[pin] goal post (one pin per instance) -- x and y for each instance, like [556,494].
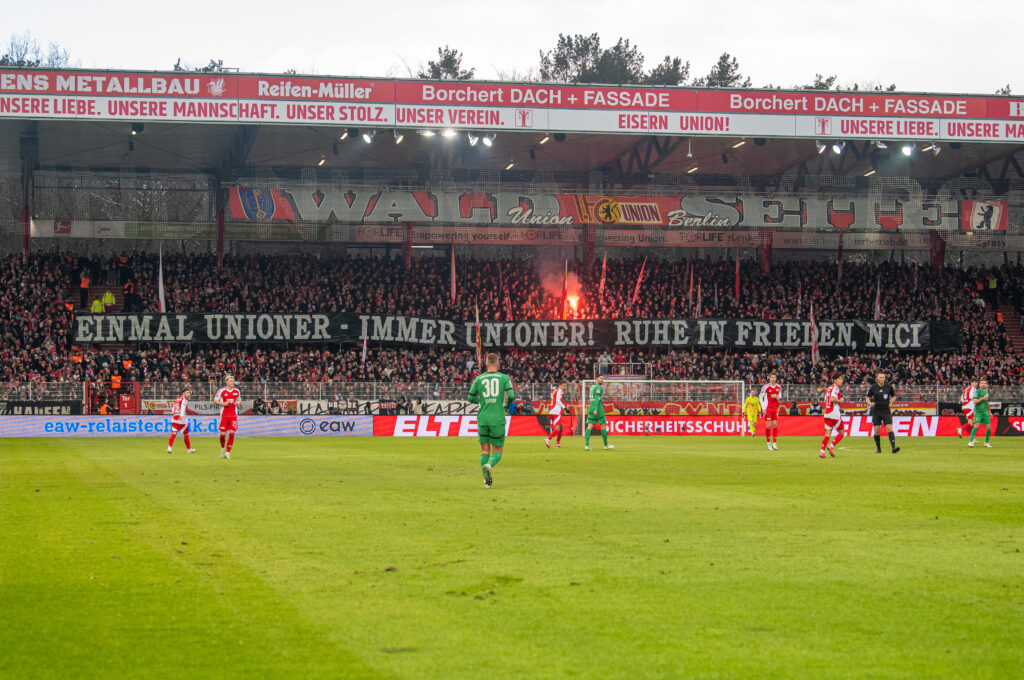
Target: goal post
[640,396]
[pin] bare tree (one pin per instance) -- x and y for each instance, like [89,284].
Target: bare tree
[214,66]
[870,86]
[25,51]
[530,75]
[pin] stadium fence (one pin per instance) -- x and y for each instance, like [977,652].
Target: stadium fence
[428,392]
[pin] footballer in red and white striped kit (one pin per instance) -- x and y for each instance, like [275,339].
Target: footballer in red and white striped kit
[770,395]
[556,408]
[833,417]
[967,406]
[178,422]
[227,397]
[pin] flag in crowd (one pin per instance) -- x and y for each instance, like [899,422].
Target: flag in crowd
[479,342]
[737,292]
[839,263]
[565,290]
[162,304]
[878,301]
[815,356]
[799,299]
[366,332]
[604,271]
[689,294]
[716,296]
[452,292]
[698,298]
[639,279]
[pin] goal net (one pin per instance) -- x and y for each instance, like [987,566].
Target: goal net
[635,395]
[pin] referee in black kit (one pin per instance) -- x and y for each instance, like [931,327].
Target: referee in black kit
[880,397]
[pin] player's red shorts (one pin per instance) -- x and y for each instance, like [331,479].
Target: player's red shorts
[228,423]
[831,423]
[555,420]
[178,427]
[969,414]
[771,413]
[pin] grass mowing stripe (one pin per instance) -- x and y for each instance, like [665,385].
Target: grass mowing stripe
[667,557]
[136,591]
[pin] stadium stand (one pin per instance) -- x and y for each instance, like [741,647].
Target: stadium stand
[34,296]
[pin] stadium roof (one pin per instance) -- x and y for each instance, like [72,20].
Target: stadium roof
[105,141]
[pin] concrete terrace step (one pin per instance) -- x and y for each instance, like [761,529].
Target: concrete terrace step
[1011,322]
[97,291]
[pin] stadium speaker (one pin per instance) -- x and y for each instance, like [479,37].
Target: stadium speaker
[533,154]
[559,136]
[760,141]
[138,128]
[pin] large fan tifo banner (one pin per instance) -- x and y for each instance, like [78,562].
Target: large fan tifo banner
[445,217]
[390,103]
[351,328]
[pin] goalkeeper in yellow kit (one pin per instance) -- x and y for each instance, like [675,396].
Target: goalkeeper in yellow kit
[752,409]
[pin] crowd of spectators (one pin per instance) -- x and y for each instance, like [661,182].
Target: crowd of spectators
[194,283]
[38,299]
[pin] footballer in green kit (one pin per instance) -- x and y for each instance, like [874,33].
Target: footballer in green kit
[595,414]
[981,413]
[492,390]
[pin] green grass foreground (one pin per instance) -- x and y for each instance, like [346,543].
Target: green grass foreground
[387,558]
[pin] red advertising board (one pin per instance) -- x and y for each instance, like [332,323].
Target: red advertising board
[794,426]
[229,97]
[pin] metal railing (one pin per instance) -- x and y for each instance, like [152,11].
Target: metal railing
[385,391]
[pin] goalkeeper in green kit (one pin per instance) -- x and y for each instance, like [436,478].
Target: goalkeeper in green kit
[492,390]
[595,414]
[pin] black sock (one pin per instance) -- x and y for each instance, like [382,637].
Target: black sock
[892,440]
[878,443]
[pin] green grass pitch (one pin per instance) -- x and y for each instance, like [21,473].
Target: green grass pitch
[387,558]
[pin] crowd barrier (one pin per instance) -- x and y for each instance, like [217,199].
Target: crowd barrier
[465,426]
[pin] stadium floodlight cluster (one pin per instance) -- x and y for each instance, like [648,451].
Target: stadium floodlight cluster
[907,149]
[473,137]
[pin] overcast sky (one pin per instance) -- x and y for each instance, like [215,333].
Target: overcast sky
[937,46]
